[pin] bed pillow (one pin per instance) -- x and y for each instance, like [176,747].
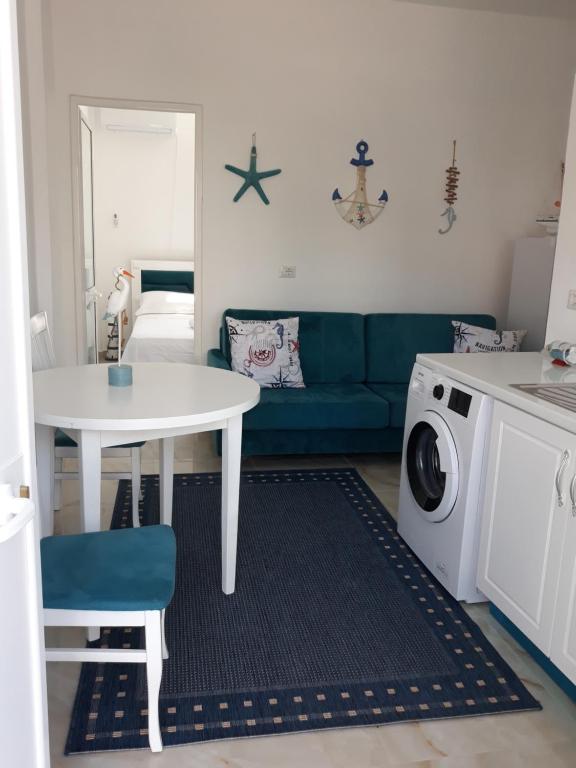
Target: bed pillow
[166,303]
[472,338]
[266,351]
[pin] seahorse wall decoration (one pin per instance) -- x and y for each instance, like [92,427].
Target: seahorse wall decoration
[452,178]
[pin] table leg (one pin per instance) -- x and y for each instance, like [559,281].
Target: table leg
[45,471]
[231,457]
[166,479]
[90,479]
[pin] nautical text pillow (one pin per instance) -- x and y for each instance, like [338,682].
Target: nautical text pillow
[266,351]
[472,338]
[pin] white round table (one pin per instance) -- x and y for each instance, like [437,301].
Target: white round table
[165,400]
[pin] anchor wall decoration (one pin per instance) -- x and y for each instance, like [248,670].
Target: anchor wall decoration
[355,209]
[452,175]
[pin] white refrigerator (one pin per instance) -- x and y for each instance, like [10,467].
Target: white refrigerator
[530,289]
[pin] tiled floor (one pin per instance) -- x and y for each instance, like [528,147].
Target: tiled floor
[544,739]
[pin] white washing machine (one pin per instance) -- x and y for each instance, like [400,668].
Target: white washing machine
[442,477]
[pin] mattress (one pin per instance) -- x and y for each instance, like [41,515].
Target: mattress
[161,338]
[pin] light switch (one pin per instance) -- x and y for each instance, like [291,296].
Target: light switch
[287,270]
[571,299]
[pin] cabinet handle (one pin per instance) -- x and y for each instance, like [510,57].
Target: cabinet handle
[573,495]
[559,476]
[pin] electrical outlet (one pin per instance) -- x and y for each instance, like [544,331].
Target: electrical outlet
[287,270]
[571,299]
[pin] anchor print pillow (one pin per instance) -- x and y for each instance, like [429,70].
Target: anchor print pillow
[472,338]
[266,351]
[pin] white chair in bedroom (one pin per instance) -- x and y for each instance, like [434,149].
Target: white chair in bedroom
[64,447]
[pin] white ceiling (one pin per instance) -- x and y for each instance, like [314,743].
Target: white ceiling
[564,9]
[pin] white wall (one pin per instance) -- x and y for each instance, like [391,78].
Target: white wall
[147,179]
[561,320]
[35,82]
[312,79]
[182,244]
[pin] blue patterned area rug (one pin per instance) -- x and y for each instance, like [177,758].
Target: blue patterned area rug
[334,623]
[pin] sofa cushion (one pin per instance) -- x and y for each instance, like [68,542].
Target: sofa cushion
[319,406]
[332,345]
[394,340]
[266,351]
[396,395]
[471,338]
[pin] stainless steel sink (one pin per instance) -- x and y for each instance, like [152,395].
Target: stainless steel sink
[563,395]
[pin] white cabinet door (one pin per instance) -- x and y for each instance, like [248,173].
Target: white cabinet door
[530,464]
[23,716]
[564,633]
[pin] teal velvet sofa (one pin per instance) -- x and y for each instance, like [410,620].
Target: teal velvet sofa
[356,370]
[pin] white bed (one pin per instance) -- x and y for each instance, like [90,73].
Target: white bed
[163,336]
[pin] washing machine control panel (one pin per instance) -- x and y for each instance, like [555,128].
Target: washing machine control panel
[426,384]
[438,392]
[459,402]
[452,398]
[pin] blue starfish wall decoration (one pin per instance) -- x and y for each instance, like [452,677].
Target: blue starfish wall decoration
[252,177]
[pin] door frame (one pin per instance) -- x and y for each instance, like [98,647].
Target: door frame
[82,232]
[77,207]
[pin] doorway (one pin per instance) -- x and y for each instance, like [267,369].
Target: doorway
[137,207]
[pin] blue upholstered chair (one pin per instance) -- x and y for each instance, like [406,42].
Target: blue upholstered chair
[119,578]
[64,446]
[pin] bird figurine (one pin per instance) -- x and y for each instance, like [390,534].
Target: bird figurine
[118,299]
[119,375]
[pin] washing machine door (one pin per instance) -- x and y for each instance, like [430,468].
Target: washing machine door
[432,467]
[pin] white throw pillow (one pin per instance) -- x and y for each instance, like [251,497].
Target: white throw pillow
[166,303]
[266,351]
[472,338]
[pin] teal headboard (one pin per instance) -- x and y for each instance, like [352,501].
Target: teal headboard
[167,280]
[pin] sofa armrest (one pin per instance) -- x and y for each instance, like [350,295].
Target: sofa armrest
[215,359]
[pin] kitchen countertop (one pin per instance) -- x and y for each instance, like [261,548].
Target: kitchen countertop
[494,372]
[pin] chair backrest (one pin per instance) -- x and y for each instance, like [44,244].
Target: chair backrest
[42,347]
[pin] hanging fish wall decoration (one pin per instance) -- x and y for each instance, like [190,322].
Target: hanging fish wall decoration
[452,178]
[355,209]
